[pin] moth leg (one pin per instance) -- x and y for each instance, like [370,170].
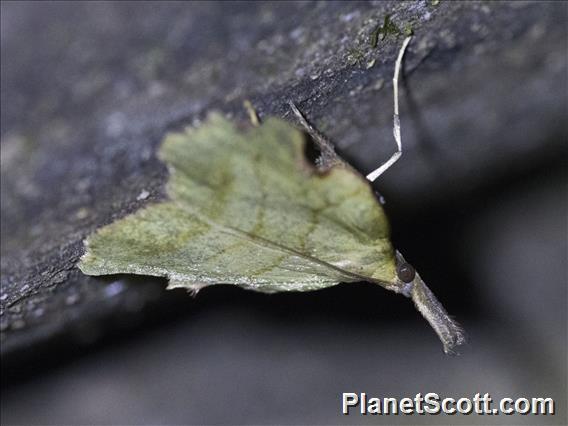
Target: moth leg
[396,124]
[253,116]
[328,156]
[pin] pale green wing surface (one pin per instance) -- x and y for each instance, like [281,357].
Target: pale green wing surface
[247,209]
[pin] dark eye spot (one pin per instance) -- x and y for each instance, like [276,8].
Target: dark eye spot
[405,272]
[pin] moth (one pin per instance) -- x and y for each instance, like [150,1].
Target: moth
[247,208]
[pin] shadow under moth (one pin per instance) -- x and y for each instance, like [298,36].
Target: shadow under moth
[247,208]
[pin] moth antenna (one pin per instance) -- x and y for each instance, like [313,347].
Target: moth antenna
[253,116]
[328,154]
[396,124]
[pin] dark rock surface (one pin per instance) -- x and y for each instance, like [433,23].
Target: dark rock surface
[89,89]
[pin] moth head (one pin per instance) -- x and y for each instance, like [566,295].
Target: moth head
[405,274]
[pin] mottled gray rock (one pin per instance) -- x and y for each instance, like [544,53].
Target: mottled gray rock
[89,89]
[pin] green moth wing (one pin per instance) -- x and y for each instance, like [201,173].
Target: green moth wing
[246,208]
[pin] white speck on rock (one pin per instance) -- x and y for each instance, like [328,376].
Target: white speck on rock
[379,84]
[349,16]
[143,195]
[82,213]
[297,33]
[115,124]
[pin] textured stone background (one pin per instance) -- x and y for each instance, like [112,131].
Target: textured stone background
[478,204]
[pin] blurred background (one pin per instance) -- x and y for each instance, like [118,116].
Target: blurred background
[478,204]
